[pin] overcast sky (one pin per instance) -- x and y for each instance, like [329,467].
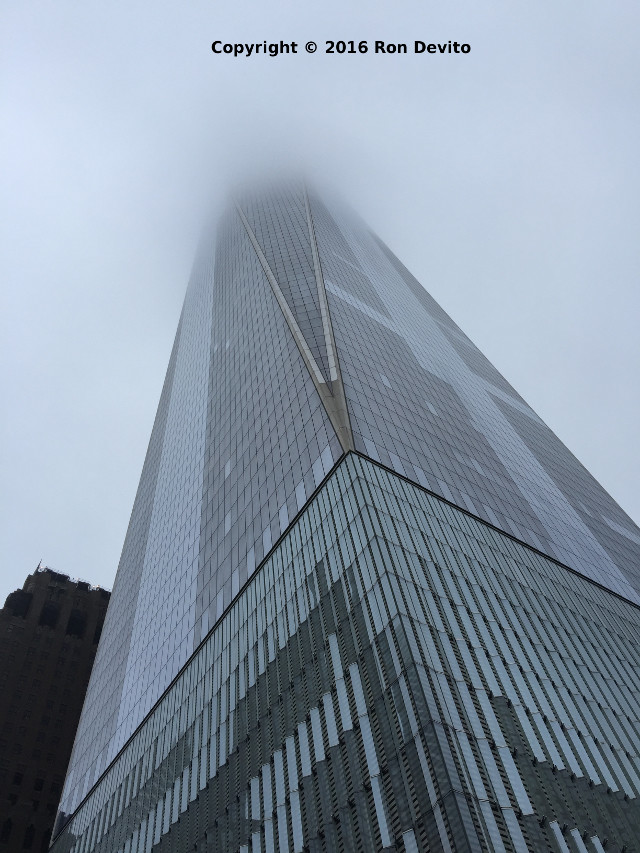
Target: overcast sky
[506,179]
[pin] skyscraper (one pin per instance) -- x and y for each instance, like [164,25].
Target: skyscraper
[367,600]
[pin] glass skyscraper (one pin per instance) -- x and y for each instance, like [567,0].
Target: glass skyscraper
[367,600]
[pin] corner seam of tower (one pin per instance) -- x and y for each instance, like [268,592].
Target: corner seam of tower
[334,401]
[338,401]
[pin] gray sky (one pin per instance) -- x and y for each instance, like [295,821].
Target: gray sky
[507,180]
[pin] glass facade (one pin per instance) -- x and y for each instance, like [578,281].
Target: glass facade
[396,675]
[363,594]
[424,401]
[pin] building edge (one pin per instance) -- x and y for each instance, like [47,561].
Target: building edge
[530,748]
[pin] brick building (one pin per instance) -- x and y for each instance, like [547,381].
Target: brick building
[49,632]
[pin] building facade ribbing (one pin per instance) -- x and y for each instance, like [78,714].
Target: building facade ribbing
[363,594]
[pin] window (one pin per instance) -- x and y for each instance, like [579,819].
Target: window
[5,832]
[49,614]
[30,831]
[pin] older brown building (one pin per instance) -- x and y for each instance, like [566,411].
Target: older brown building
[49,633]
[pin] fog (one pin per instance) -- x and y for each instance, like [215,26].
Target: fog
[506,179]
